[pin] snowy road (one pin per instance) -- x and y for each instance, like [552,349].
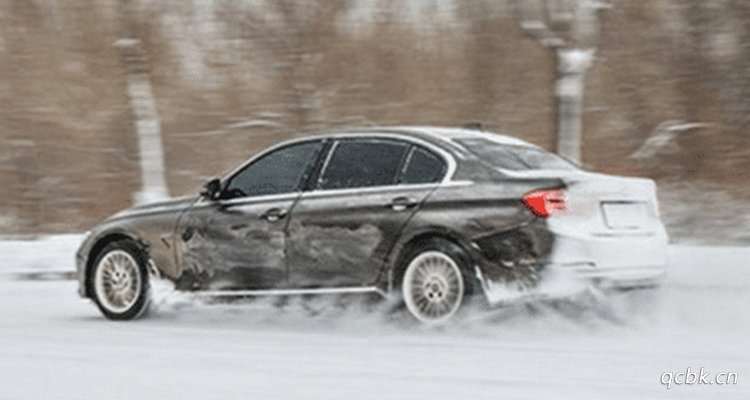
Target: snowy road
[54,345]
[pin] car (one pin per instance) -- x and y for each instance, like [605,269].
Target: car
[429,216]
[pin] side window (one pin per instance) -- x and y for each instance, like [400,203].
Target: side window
[278,172]
[359,163]
[423,167]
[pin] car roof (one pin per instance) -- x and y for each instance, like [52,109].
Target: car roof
[444,133]
[435,134]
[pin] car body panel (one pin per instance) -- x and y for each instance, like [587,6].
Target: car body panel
[152,226]
[471,213]
[333,238]
[342,237]
[232,244]
[633,254]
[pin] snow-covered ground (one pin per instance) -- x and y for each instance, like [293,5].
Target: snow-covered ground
[54,345]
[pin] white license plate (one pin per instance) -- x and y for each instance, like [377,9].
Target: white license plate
[624,215]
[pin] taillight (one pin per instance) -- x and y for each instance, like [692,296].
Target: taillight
[546,202]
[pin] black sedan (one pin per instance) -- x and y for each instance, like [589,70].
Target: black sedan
[430,215]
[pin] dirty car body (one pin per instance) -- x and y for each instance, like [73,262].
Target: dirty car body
[340,211]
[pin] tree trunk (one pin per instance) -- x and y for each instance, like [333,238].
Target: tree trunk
[571,29]
[145,114]
[572,65]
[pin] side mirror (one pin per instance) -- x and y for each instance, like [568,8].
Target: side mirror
[211,189]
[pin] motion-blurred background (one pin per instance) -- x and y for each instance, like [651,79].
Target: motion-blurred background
[86,85]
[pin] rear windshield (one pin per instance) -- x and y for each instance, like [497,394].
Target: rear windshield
[515,158]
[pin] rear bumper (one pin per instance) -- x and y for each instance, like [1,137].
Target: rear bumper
[575,262]
[620,260]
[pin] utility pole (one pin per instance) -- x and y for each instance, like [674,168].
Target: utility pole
[570,28]
[145,113]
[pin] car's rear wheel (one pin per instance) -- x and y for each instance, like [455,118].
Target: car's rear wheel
[120,281]
[434,283]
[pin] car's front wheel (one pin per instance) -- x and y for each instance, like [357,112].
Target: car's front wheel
[120,281]
[434,285]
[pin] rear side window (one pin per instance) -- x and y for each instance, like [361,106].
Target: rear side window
[423,166]
[363,163]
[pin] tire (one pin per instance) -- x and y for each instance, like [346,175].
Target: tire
[120,281]
[436,282]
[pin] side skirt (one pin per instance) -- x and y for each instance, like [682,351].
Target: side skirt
[289,292]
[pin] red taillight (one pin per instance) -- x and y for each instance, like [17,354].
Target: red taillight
[546,202]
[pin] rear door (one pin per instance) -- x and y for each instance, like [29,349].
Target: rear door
[341,230]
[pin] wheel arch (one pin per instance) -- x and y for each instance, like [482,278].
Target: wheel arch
[97,248]
[481,251]
[397,264]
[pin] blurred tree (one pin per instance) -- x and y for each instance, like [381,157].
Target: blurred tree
[294,37]
[571,29]
[143,104]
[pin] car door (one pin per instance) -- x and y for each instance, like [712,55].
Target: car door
[237,241]
[341,230]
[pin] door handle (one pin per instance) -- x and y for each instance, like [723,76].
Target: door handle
[274,214]
[402,203]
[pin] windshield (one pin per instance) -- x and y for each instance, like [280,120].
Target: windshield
[515,158]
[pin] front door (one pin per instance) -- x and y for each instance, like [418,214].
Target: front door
[238,240]
[341,231]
